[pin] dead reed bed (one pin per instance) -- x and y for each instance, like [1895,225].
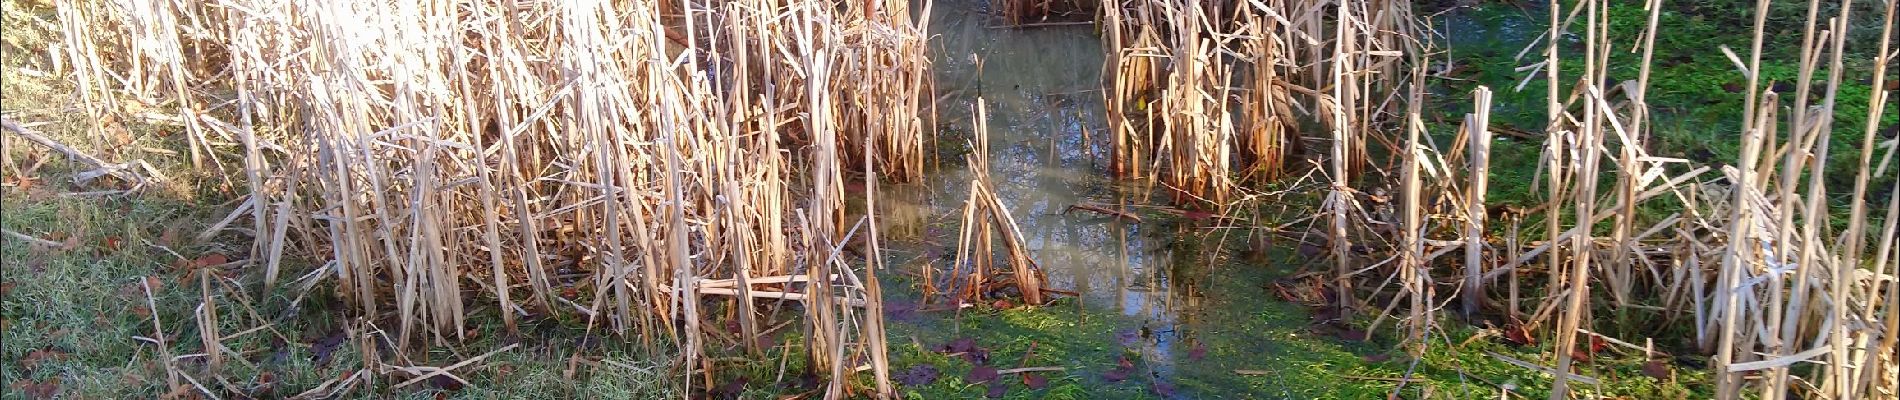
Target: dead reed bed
[1205,101]
[650,166]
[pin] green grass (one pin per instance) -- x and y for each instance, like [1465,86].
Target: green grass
[1695,93]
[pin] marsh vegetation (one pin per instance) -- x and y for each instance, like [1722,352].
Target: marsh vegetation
[949,199]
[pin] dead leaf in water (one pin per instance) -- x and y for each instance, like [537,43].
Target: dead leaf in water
[1352,335]
[1657,369]
[982,373]
[920,375]
[1163,389]
[958,345]
[1035,381]
[1128,337]
[997,390]
[37,389]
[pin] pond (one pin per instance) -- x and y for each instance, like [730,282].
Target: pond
[1163,307]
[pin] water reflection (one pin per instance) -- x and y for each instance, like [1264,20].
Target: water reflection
[1047,124]
[1046,121]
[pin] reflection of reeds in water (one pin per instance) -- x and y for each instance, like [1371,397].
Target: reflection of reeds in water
[436,150]
[1203,97]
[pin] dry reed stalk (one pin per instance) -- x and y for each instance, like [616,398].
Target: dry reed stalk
[1269,133]
[1591,139]
[158,335]
[1857,232]
[1629,168]
[1413,270]
[207,317]
[1478,142]
[1872,376]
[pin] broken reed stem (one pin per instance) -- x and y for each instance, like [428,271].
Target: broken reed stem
[1478,143]
[1340,200]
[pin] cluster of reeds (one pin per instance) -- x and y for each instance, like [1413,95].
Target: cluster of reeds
[1207,95]
[616,160]
[1750,258]
[1202,92]
[984,221]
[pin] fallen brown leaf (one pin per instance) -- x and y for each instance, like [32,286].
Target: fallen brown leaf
[210,260]
[169,238]
[37,389]
[69,243]
[1657,369]
[1519,335]
[33,359]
